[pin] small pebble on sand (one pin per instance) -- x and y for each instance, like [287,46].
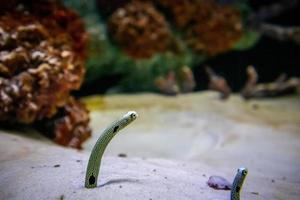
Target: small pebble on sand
[218,183]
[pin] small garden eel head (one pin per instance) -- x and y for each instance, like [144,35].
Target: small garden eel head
[238,183]
[131,115]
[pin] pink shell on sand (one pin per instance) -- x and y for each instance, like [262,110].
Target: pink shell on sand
[218,183]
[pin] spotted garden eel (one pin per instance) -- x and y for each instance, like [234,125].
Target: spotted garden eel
[93,166]
[238,183]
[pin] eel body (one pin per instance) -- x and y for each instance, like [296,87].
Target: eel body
[94,163]
[238,183]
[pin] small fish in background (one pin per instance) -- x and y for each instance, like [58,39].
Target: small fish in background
[218,83]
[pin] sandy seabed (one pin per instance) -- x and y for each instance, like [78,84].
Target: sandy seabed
[172,149]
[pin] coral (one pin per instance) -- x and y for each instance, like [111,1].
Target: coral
[182,81]
[140,29]
[107,7]
[251,82]
[42,50]
[182,11]
[281,86]
[208,27]
[218,83]
[186,79]
[69,127]
[167,85]
[215,31]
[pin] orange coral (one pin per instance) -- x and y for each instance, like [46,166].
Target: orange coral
[69,127]
[107,7]
[42,50]
[209,27]
[182,11]
[139,29]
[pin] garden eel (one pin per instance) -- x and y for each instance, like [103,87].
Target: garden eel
[100,146]
[238,183]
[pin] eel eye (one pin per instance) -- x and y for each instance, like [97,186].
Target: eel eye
[244,172]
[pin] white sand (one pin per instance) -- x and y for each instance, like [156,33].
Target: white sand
[171,146]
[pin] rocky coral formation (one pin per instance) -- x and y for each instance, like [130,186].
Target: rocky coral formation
[42,49]
[140,29]
[218,83]
[209,27]
[107,7]
[186,79]
[281,86]
[181,81]
[167,85]
[182,11]
[69,127]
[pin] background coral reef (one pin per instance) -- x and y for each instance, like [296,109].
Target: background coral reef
[42,55]
[136,42]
